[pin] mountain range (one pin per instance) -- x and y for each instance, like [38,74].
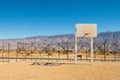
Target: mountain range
[110,37]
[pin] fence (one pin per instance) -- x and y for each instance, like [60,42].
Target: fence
[59,52]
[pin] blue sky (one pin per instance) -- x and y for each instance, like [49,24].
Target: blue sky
[24,18]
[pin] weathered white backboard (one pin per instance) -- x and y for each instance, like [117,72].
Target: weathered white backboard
[86,30]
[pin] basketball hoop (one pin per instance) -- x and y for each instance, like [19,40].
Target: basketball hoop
[85,30]
[86,35]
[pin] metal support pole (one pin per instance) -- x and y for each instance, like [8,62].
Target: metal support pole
[3,53]
[67,51]
[59,50]
[104,51]
[86,51]
[31,50]
[48,51]
[76,49]
[25,44]
[17,52]
[92,51]
[8,52]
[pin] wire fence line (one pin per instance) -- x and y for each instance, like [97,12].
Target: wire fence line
[60,51]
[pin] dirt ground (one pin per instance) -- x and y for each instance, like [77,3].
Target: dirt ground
[82,71]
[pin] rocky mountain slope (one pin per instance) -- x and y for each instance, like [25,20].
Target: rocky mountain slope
[110,37]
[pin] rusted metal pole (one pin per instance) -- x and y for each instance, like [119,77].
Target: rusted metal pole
[104,50]
[31,50]
[114,50]
[48,51]
[59,50]
[17,52]
[3,53]
[86,51]
[8,52]
[67,51]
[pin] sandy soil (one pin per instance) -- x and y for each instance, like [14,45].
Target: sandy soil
[69,71]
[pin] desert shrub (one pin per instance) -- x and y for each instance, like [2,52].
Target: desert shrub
[50,53]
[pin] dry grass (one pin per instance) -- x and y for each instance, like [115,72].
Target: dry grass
[82,71]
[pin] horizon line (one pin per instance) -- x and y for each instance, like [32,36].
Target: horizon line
[49,35]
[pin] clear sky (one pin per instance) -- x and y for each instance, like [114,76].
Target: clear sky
[24,18]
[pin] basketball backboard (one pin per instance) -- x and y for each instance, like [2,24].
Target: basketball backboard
[86,30]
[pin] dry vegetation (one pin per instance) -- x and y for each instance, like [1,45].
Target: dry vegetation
[56,54]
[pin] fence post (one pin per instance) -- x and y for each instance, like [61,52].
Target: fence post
[3,53]
[67,51]
[8,52]
[104,51]
[48,46]
[17,52]
[86,51]
[31,50]
[114,50]
[59,50]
